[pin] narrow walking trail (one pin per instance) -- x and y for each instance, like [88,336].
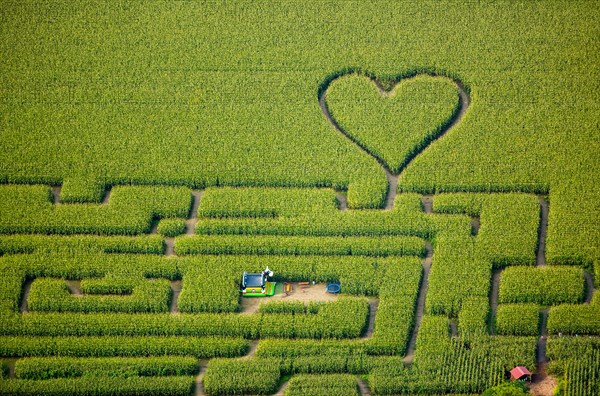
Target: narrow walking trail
[169,246]
[475,225]
[420,308]
[494,298]
[11,367]
[26,289]
[540,352]
[427,203]
[56,194]
[169,243]
[392,190]
[373,305]
[74,287]
[453,327]
[176,290]
[363,387]
[542,231]
[541,344]
[342,201]
[106,197]
[589,286]
[282,388]
[198,385]
[193,215]
[251,350]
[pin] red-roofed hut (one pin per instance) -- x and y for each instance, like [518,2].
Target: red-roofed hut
[520,373]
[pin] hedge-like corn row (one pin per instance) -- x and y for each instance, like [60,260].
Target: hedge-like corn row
[473,316]
[281,348]
[52,295]
[4,369]
[229,202]
[395,315]
[205,290]
[130,211]
[81,190]
[455,257]
[171,227]
[17,244]
[575,319]
[517,319]
[241,377]
[320,219]
[509,224]
[100,386]
[200,347]
[289,307]
[121,324]
[345,318]
[43,368]
[298,245]
[542,285]
[324,385]
[573,231]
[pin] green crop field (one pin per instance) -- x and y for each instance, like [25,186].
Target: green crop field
[439,160]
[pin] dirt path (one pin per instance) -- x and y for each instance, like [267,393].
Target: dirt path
[589,284]
[56,194]
[373,305]
[363,387]
[540,380]
[251,350]
[464,101]
[154,226]
[282,388]
[26,289]
[342,200]
[542,384]
[176,289]
[392,189]
[542,231]
[427,202]
[453,328]
[410,351]
[475,224]
[316,292]
[11,367]
[169,246]
[74,287]
[494,298]
[106,197]
[193,215]
[198,385]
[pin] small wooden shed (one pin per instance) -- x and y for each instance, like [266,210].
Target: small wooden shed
[520,373]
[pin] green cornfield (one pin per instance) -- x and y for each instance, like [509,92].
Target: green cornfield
[435,161]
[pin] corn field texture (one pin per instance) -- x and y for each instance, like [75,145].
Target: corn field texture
[436,159]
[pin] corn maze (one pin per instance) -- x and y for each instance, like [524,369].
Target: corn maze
[153,152]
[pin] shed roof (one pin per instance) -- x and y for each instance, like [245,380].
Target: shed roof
[519,372]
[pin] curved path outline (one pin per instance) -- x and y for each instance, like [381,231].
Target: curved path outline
[392,178]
